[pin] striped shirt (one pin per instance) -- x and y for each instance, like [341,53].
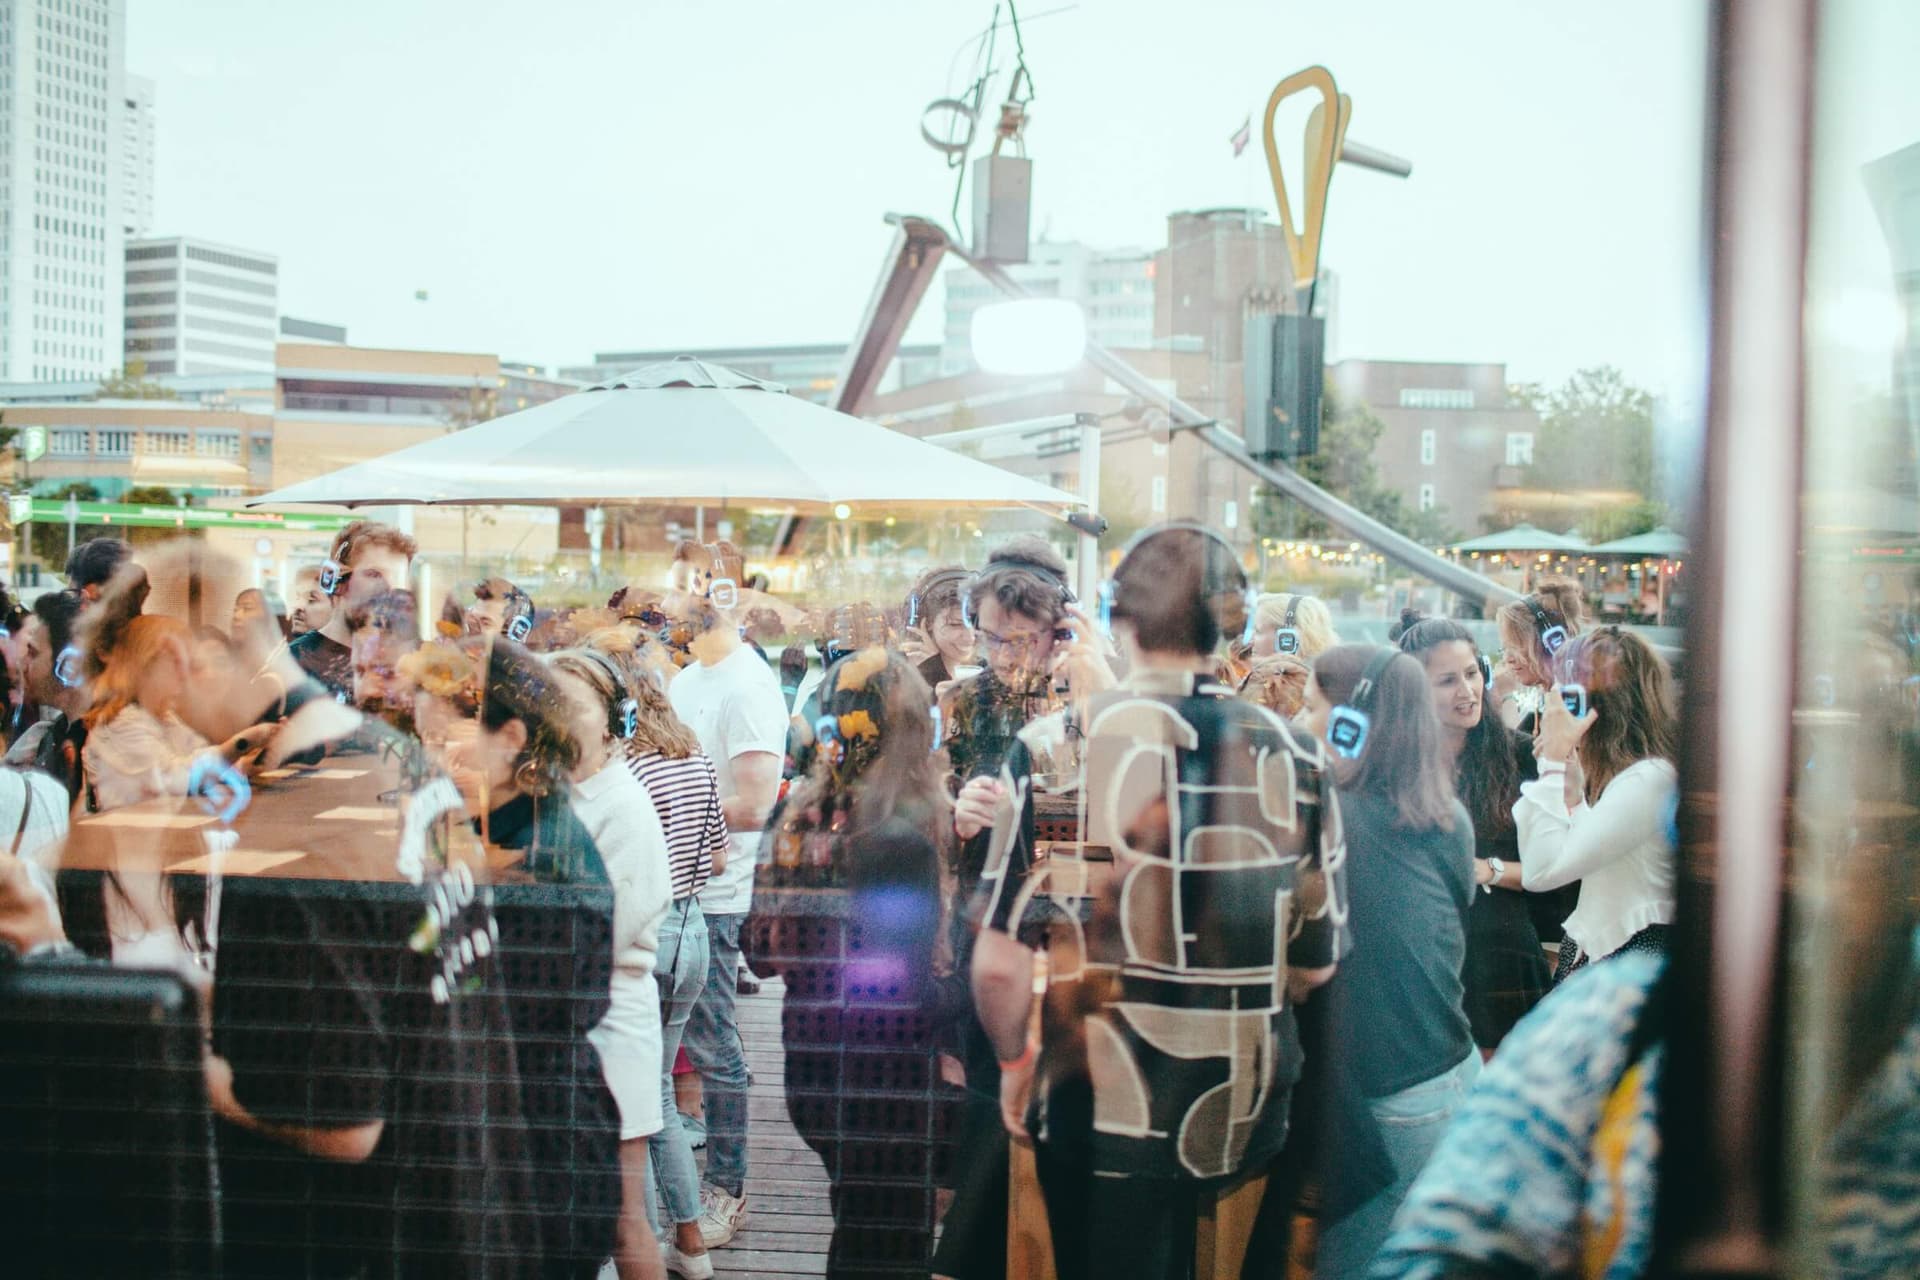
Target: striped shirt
[687,795]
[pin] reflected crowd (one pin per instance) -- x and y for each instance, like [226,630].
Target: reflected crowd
[1166,915]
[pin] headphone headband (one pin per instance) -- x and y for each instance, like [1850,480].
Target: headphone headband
[1293,610]
[1109,590]
[1549,625]
[1361,698]
[622,721]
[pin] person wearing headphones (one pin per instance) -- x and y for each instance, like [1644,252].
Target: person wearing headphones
[732,702]
[499,608]
[1036,640]
[1167,1049]
[1533,631]
[1398,1055]
[620,815]
[367,559]
[51,664]
[940,638]
[1292,624]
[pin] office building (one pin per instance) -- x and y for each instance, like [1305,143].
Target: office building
[297,330]
[136,157]
[193,306]
[811,371]
[1114,287]
[1454,440]
[62,87]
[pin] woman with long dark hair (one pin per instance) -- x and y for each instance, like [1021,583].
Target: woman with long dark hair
[498,718]
[848,910]
[1506,972]
[1398,1034]
[1601,812]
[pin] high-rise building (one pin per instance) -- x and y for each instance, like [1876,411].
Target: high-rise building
[193,306]
[62,93]
[136,157]
[1114,288]
[810,371]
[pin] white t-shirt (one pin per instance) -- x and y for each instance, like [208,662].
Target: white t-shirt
[733,707]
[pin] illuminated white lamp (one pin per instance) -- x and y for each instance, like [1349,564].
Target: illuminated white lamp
[1029,336]
[841,511]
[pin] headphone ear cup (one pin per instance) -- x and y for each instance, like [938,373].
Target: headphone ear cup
[519,628]
[1486,672]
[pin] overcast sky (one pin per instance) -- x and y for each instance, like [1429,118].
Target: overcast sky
[590,175]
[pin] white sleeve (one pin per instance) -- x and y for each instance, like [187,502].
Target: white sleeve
[1559,846]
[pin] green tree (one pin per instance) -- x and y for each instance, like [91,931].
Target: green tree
[131,383]
[1344,466]
[1596,433]
[152,495]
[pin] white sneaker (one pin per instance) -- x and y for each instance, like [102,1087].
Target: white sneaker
[696,1267]
[721,1216]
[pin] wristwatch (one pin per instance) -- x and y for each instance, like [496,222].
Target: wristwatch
[1499,869]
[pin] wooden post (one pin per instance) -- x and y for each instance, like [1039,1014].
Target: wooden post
[1225,1227]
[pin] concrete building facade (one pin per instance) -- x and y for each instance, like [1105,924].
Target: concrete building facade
[809,370]
[195,307]
[62,95]
[137,144]
[1454,438]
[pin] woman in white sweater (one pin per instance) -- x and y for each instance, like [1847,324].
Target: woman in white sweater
[1602,810]
[617,810]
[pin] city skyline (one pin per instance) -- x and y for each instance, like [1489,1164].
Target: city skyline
[746,189]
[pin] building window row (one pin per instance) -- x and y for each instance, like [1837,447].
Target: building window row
[117,442]
[1519,448]
[218,259]
[149,251]
[151,275]
[1429,447]
[165,298]
[230,282]
[210,325]
[230,304]
[1436,398]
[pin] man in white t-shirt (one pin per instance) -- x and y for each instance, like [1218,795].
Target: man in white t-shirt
[731,700]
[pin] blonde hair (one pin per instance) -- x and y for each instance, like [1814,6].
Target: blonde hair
[1311,618]
[135,648]
[1520,633]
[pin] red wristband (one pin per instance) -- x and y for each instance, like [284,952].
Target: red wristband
[1025,1059]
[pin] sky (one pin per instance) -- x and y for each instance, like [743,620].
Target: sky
[593,175]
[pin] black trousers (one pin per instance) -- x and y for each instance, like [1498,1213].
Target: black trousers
[1141,1228]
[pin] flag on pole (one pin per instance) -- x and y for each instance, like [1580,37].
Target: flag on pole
[1242,136]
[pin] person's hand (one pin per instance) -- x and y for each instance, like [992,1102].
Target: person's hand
[219,1073]
[27,918]
[976,805]
[1482,872]
[914,646]
[1085,662]
[1016,1091]
[1560,733]
[1575,782]
[250,746]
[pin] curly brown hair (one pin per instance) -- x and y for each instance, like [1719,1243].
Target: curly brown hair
[1630,691]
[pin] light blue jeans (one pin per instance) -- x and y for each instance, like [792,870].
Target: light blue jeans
[1411,1122]
[682,975]
[713,1047]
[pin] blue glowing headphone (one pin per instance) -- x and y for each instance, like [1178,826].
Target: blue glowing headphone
[1550,626]
[1249,597]
[623,721]
[1287,638]
[68,667]
[333,576]
[1351,723]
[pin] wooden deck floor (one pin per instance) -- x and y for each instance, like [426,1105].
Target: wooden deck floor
[788,1219]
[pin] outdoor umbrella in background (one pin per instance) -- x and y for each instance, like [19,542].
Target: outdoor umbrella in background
[681,431]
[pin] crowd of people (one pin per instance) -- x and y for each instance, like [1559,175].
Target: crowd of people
[1171,883]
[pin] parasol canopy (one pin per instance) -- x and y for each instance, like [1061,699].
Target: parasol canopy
[1658,544]
[681,431]
[1522,537]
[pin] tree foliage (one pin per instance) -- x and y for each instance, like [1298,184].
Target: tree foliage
[1345,467]
[131,383]
[1596,433]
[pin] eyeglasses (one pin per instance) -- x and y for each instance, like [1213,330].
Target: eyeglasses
[1019,646]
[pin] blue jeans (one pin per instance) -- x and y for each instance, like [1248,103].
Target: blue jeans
[713,1047]
[682,975]
[1412,1123]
